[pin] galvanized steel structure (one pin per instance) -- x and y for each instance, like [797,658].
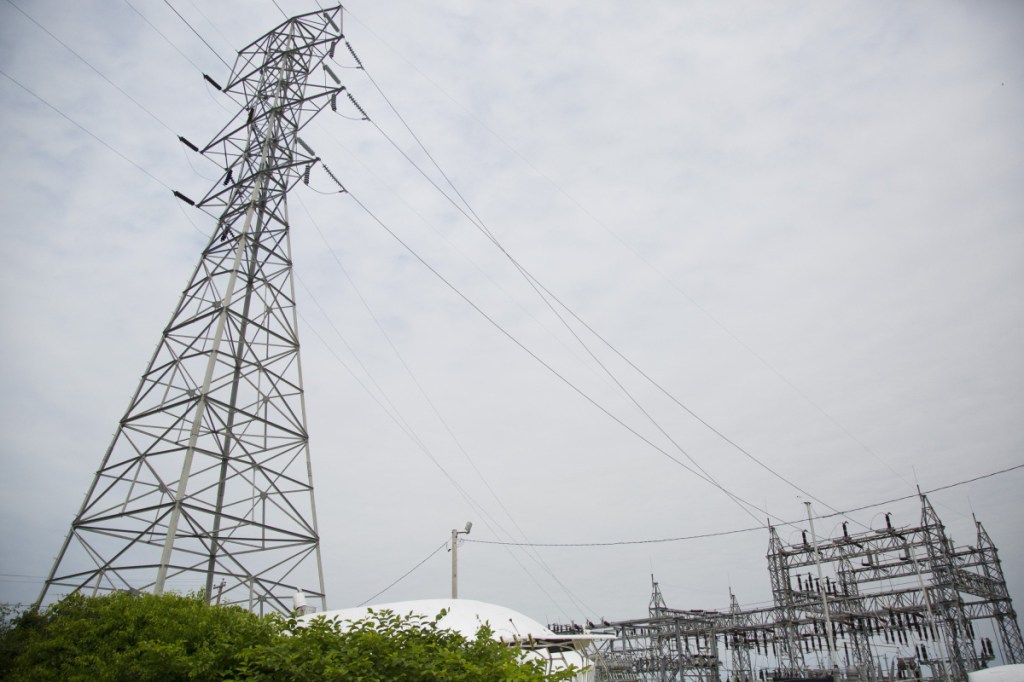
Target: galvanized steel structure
[895,603]
[207,483]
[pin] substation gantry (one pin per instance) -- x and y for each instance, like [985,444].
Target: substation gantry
[890,604]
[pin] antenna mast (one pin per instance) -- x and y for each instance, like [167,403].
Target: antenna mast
[208,479]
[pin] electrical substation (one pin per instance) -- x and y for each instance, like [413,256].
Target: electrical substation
[899,603]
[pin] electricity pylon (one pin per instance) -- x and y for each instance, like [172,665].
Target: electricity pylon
[207,483]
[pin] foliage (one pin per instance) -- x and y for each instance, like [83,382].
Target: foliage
[172,637]
[385,646]
[133,637]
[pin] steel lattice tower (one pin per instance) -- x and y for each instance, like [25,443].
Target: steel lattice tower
[207,482]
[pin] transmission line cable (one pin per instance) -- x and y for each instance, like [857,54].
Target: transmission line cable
[408,429]
[530,352]
[635,253]
[526,311]
[526,349]
[478,222]
[220,33]
[102,75]
[198,35]
[737,531]
[664,391]
[407,573]
[403,425]
[162,35]
[533,282]
[537,558]
[84,129]
[89,64]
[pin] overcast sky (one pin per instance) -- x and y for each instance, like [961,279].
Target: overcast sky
[803,220]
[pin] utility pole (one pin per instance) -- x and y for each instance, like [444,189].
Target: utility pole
[208,477]
[455,557]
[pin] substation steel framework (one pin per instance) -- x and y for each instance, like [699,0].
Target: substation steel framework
[207,483]
[896,603]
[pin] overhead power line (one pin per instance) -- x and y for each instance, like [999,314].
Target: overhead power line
[475,220]
[82,127]
[536,357]
[217,54]
[721,325]
[90,65]
[406,574]
[737,531]
[547,297]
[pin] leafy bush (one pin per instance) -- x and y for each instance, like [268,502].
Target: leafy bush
[173,637]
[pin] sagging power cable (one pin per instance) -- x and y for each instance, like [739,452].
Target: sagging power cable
[636,254]
[474,218]
[531,353]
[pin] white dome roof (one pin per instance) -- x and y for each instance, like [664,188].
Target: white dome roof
[465,616]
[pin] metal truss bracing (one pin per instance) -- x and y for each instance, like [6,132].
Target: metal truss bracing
[902,603]
[997,599]
[207,483]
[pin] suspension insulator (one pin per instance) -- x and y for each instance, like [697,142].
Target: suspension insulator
[305,174]
[183,198]
[188,144]
[356,105]
[354,55]
[228,177]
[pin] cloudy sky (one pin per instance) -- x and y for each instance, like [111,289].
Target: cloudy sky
[803,221]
